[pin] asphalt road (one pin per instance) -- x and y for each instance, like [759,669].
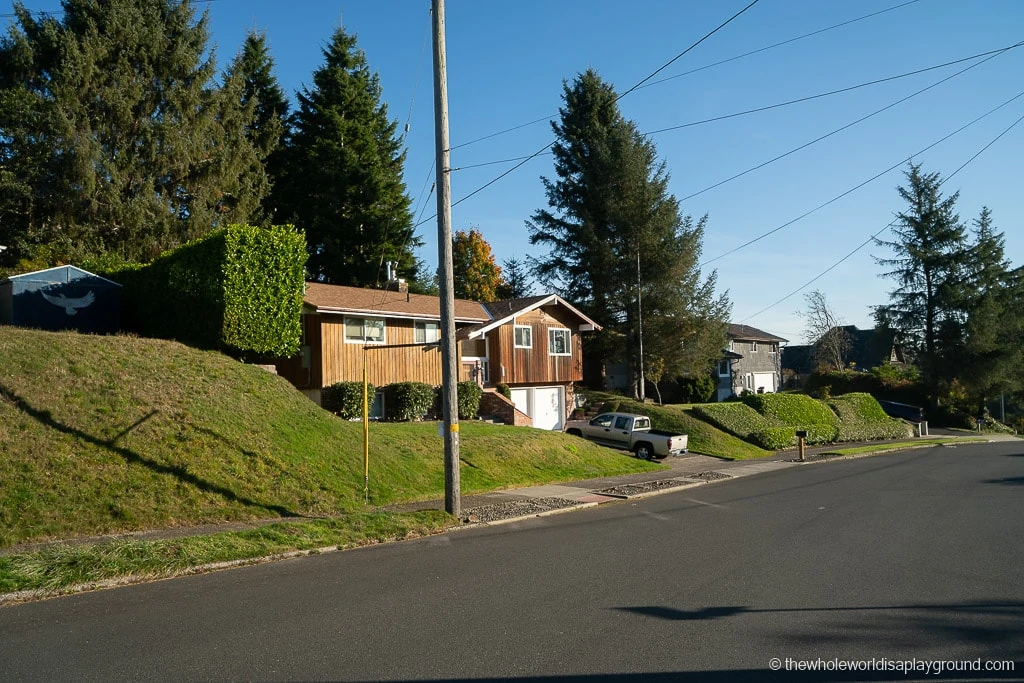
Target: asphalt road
[918,555]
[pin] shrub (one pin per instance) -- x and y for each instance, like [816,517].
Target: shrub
[239,289]
[505,390]
[795,410]
[774,438]
[345,399]
[862,419]
[696,388]
[469,394]
[610,407]
[406,401]
[736,418]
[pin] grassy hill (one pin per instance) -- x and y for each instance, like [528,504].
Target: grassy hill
[112,434]
[705,438]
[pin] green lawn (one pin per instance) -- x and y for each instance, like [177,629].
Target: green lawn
[100,435]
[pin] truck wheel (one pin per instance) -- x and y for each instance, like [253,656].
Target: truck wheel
[574,432]
[644,451]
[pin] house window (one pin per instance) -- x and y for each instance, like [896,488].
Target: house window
[772,348]
[524,337]
[753,347]
[732,345]
[364,330]
[558,342]
[723,368]
[426,332]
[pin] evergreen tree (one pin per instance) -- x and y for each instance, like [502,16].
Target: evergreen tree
[927,307]
[343,179]
[619,244]
[515,280]
[254,68]
[476,276]
[137,150]
[992,351]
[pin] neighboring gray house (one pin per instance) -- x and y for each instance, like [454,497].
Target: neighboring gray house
[752,362]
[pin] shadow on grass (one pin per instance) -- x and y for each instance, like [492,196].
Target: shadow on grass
[180,473]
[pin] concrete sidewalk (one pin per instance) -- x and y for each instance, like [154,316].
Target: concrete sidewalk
[682,471]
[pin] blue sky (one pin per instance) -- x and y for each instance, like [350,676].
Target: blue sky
[507,62]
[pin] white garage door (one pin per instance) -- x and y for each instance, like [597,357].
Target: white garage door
[764,381]
[548,405]
[545,405]
[521,397]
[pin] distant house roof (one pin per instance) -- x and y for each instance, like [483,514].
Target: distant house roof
[867,349]
[799,358]
[874,347]
[382,302]
[746,332]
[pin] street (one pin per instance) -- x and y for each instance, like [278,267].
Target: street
[916,555]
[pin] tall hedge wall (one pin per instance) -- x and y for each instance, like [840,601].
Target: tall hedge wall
[239,289]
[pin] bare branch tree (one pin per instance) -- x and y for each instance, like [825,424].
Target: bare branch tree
[824,330]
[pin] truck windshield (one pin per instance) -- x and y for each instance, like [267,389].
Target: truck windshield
[642,423]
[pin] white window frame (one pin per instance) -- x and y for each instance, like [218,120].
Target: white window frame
[732,345]
[753,347]
[365,339]
[423,325]
[568,341]
[723,363]
[515,340]
[772,349]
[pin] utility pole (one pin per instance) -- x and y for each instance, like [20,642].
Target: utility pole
[640,326]
[449,367]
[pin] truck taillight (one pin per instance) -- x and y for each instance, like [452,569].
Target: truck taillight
[670,444]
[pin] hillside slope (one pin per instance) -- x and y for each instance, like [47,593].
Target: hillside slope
[108,434]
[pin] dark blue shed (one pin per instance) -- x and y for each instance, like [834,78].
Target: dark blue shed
[61,298]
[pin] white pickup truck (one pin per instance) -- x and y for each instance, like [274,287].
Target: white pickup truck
[631,432]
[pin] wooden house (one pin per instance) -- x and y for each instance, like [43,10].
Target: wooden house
[530,344]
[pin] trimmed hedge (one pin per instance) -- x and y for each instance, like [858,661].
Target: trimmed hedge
[774,438]
[238,289]
[469,394]
[735,418]
[796,410]
[862,419]
[405,401]
[345,399]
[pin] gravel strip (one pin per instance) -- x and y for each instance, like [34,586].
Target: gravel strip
[709,476]
[642,487]
[515,508]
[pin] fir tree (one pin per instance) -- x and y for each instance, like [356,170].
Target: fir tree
[515,280]
[137,151]
[619,243]
[254,68]
[343,179]
[927,306]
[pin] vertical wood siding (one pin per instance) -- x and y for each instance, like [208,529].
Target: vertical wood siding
[535,365]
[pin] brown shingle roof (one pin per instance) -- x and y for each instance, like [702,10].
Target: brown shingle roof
[751,333]
[338,299]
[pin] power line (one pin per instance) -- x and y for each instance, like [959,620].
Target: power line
[849,125]
[671,61]
[543,149]
[702,68]
[860,185]
[989,54]
[838,91]
[873,237]
[780,44]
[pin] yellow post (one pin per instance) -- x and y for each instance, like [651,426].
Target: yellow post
[366,435]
